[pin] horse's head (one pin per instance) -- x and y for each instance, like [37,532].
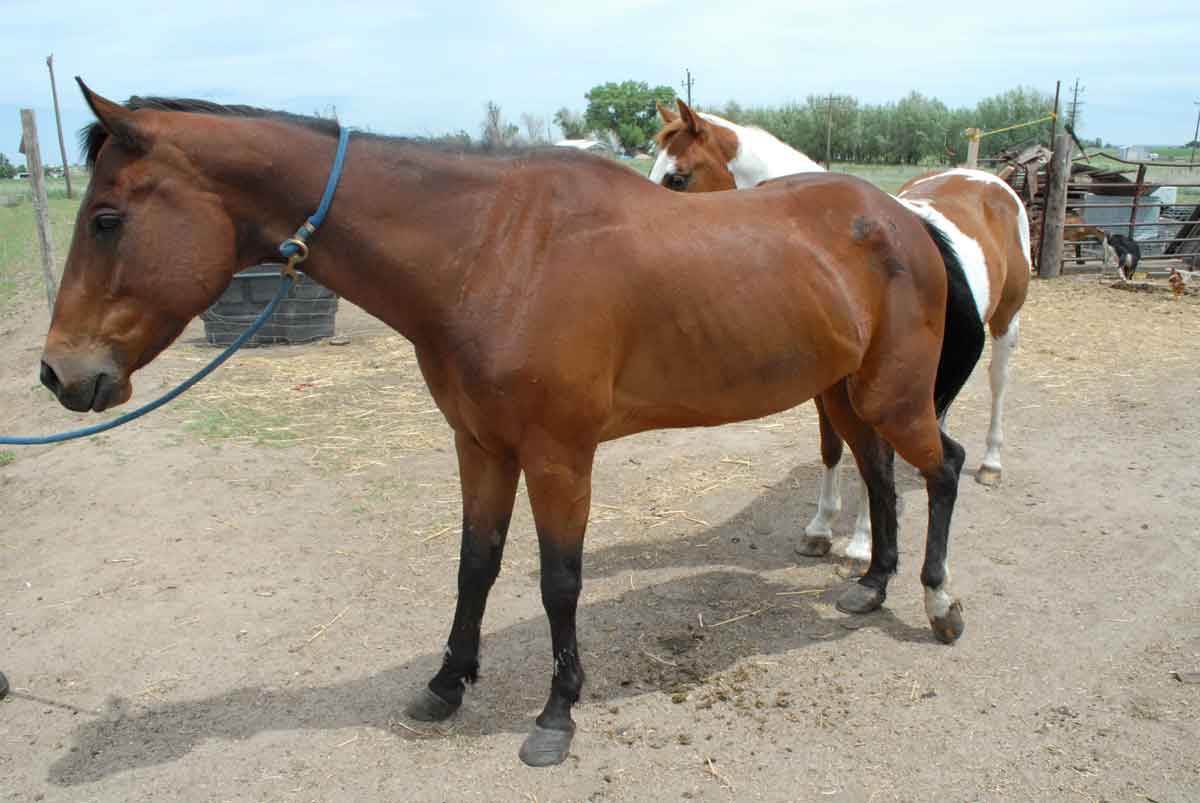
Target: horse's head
[693,154]
[154,245]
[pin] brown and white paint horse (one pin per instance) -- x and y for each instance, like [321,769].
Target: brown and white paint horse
[979,213]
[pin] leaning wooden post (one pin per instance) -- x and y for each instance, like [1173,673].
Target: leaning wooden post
[973,137]
[41,205]
[58,121]
[1055,213]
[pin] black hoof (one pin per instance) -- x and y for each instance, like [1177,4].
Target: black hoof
[948,628]
[859,598]
[3,686]
[814,546]
[428,707]
[545,748]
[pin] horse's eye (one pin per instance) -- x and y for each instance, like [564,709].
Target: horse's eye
[107,221]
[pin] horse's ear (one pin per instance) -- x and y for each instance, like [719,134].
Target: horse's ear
[667,115]
[692,120]
[117,120]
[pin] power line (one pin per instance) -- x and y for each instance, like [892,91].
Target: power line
[687,84]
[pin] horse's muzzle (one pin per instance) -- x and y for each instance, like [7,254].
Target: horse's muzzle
[82,390]
[676,181]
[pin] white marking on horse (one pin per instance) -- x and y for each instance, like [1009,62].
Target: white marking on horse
[829,505]
[989,178]
[970,255]
[1002,350]
[859,545]
[938,600]
[760,156]
[663,165]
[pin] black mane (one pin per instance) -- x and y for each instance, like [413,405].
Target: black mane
[93,136]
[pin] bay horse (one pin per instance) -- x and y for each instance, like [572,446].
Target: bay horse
[981,216]
[555,300]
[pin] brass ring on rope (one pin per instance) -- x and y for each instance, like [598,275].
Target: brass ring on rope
[295,259]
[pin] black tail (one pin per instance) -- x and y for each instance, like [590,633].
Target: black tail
[963,341]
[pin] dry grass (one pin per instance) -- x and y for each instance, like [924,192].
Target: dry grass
[1085,342]
[355,406]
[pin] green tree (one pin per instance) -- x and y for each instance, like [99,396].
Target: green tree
[627,109]
[571,123]
[6,168]
[1019,105]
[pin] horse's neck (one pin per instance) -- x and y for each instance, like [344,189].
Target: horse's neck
[761,157]
[387,246]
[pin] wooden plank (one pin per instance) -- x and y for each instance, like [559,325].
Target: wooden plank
[41,205]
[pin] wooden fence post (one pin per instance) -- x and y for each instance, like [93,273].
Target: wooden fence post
[1055,213]
[41,206]
[973,147]
[58,122]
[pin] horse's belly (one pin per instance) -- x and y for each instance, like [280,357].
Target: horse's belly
[710,389]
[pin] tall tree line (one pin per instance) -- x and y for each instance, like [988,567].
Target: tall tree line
[914,130]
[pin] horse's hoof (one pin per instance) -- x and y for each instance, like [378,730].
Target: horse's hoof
[3,686]
[859,598]
[858,549]
[544,747]
[986,475]
[949,627]
[814,546]
[428,707]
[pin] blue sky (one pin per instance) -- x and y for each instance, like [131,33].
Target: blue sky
[419,68]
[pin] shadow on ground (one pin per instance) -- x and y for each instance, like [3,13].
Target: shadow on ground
[644,640]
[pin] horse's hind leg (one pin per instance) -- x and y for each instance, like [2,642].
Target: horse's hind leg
[939,458]
[1003,347]
[859,546]
[818,535]
[942,608]
[559,480]
[489,487]
[875,464]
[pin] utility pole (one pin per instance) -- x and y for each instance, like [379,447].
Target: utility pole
[58,119]
[1075,103]
[829,134]
[687,83]
[1195,137]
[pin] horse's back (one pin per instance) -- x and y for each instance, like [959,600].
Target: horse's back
[990,215]
[759,300]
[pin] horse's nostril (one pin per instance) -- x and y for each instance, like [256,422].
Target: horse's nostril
[50,379]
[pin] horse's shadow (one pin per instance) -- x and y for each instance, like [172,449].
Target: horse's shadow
[643,640]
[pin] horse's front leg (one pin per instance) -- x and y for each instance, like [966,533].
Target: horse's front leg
[489,486]
[559,481]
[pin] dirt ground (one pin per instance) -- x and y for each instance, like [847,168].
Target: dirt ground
[232,599]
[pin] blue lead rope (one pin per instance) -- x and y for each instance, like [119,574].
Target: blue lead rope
[290,249]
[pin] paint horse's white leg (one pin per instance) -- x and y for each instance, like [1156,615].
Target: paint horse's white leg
[859,545]
[1002,350]
[829,504]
